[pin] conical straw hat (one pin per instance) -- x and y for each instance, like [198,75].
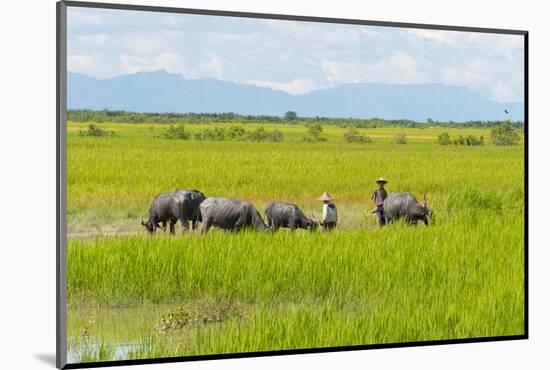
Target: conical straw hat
[381,180]
[326,197]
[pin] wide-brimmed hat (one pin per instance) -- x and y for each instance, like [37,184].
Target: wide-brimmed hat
[381,180]
[326,197]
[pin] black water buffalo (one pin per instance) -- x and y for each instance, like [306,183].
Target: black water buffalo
[191,210]
[230,214]
[284,214]
[405,205]
[182,205]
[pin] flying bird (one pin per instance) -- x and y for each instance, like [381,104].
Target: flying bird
[505,111]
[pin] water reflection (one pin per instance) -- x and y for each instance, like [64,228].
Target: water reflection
[77,353]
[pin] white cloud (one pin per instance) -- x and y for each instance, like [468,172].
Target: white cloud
[501,92]
[400,67]
[500,44]
[486,43]
[213,67]
[296,57]
[498,81]
[146,45]
[406,65]
[94,41]
[77,62]
[312,35]
[473,73]
[436,36]
[175,20]
[295,87]
[132,64]
[84,17]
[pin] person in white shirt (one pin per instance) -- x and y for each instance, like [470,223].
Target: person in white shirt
[330,213]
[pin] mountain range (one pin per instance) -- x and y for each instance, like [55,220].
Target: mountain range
[161,91]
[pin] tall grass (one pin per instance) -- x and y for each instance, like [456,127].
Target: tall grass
[456,280]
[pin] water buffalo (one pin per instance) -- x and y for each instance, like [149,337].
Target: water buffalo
[230,214]
[191,211]
[182,205]
[284,214]
[405,205]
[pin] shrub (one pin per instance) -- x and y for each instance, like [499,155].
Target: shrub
[93,130]
[400,138]
[353,136]
[216,134]
[199,136]
[238,133]
[444,139]
[235,133]
[474,141]
[275,136]
[314,133]
[259,134]
[176,132]
[469,140]
[459,141]
[504,134]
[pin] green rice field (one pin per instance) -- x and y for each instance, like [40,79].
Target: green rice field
[135,296]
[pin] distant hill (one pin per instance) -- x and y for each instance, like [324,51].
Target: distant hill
[160,91]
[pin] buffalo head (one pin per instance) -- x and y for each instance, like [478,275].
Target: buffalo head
[149,226]
[312,224]
[428,211]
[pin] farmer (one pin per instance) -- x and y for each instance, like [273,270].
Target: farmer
[330,214]
[378,198]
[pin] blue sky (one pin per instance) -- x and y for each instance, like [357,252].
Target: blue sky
[296,57]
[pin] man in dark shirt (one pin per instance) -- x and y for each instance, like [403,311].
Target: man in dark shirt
[378,197]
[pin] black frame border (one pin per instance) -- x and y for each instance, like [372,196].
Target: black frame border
[61,176]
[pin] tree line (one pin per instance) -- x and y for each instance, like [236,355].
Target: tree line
[290,117]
